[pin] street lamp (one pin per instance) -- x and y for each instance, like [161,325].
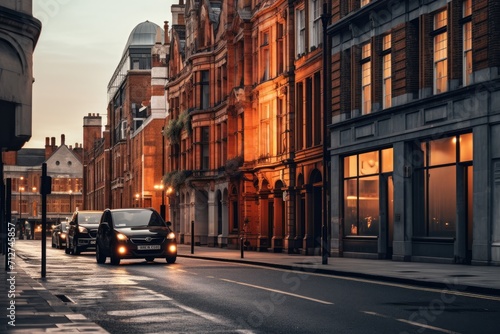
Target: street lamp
[325,19]
[137,199]
[162,207]
[70,197]
[21,225]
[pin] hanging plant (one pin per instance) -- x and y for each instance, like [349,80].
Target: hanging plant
[175,179]
[175,126]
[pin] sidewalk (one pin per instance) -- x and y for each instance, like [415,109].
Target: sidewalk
[472,279]
[38,310]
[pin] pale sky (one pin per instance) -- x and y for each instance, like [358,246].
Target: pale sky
[80,46]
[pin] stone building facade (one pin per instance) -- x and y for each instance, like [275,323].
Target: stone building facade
[415,130]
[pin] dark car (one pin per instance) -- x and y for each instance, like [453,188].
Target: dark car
[59,235]
[82,231]
[134,233]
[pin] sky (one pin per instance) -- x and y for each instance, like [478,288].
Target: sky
[79,48]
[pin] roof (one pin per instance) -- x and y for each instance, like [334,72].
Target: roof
[145,34]
[30,157]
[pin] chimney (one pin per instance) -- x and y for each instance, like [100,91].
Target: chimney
[63,139]
[47,141]
[165,28]
[53,142]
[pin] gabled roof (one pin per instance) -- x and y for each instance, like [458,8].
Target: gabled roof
[64,163]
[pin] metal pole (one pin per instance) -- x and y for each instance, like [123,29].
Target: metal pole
[241,246]
[162,207]
[3,209]
[9,247]
[192,236]
[325,18]
[44,223]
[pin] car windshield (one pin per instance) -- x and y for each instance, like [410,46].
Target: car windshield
[136,218]
[89,217]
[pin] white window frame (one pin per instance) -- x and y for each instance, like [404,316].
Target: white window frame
[440,55]
[316,27]
[300,32]
[366,78]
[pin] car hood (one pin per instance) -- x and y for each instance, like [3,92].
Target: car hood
[144,231]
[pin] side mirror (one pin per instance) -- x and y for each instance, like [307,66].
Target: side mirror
[169,223]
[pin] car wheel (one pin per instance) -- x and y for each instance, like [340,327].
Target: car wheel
[171,259]
[75,248]
[150,259]
[99,256]
[115,260]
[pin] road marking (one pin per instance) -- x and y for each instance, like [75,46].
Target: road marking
[277,291]
[397,285]
[413,323]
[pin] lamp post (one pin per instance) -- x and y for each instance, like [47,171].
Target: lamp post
[325,18]
[21,225]
[137,199]
[162,206]
[70,198]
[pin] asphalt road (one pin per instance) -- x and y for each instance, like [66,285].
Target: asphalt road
[202,296]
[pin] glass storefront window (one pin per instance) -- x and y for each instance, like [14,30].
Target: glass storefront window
[465,147]
[362,175]
[368,163]
[442,209]
[442,151]
[387,160]
[435,185]
[350,164]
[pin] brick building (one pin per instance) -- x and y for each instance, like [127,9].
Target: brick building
[244,139]
[123,163]
[24,169]
[415,133]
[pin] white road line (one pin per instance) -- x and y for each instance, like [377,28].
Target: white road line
[449,291]
[413,323]
[277,291]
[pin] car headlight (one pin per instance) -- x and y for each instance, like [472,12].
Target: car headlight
[82,229]
[63,235]
[171,235]
[121,237]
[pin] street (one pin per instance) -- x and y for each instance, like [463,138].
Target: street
[201,296]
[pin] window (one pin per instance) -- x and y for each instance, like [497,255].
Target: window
[362,173]
[265,61]
[204,90]
[366,79]
[265,131]
[280,127]
[386,72]
[280,60]
[205,148]
[435,182]
[300,116]
[315,22]
[301,32]
[440,52]
[467,42]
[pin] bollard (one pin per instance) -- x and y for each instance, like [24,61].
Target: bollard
[241,247]
[192,236]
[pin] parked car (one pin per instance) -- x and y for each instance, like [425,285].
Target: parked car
[59,235]
[82,231]
[134,233]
